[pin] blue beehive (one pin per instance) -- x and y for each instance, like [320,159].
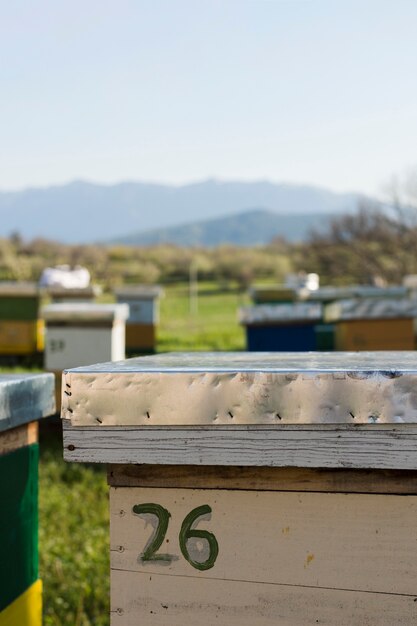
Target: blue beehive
[281,328]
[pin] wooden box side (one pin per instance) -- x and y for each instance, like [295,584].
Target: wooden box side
[242,557]
[18,522]
[388,334]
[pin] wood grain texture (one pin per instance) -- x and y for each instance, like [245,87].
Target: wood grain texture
[376,446]
[158,600]
[284,558]
[18,437]
[264,478]
[341,541]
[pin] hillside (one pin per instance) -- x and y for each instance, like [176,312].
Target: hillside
[85,212]
[246,229]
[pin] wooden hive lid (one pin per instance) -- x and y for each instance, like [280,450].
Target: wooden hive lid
[19,290]
[80,312]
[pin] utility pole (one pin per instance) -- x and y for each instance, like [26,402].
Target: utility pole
[193,287]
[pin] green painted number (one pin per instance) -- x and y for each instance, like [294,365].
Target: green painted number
[158,536]
[187,532]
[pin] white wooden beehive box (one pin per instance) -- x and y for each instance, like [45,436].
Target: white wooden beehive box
[80,334]
[255,489]
[143,302]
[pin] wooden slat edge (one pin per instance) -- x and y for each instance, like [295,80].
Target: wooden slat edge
[18,437]
[378,448]
[264,478]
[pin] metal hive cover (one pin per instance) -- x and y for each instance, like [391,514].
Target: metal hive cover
[25,398]
[328,294]
[18,289]
[370,308]
[214,389]
[140,292]
[280,313]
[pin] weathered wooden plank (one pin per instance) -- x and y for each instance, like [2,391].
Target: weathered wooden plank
[264,478]
[19,437]
[376,446]
[353,542]
[140,598]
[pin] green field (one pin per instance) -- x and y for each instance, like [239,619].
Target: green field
[214,326]
[74,548]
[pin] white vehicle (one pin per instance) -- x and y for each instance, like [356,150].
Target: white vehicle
[65,277]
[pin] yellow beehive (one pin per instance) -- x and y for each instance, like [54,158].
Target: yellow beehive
[21,330]
[141,325]
[389,334]
[372,324]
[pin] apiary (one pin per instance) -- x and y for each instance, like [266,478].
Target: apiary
[21,330]
[372,324]
[24,399]
[281,327]
[255,488]
[143,320]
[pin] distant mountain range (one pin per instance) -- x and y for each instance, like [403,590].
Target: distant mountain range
[248,228]
[82,212]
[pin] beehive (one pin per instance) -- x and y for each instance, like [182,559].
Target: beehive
[80,334]
[281,327]
[21,330]
[255,489]
[141,325]
[24,399]
[373,324]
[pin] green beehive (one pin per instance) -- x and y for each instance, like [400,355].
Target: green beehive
[325,337]
[19,301]
[24,399]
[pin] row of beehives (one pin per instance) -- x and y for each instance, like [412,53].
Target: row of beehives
[22,320]
[348,318]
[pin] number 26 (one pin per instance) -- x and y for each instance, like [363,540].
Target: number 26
[187,532]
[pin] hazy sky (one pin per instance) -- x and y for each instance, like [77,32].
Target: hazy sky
[314,91]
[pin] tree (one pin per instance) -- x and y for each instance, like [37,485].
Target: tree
[378,242]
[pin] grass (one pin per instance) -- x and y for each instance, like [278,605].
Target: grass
[73,538]
[213,326]
[73,498]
